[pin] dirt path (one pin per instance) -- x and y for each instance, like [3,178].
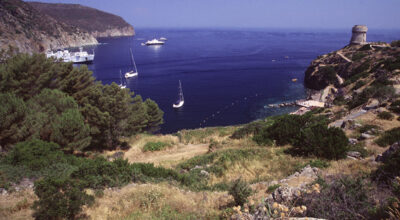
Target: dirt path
[169,157]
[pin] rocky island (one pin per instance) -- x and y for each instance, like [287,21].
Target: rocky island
[36,27]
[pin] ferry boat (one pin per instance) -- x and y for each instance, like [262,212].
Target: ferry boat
[154,42]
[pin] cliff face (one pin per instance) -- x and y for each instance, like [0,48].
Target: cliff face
[96,22]
[25,28]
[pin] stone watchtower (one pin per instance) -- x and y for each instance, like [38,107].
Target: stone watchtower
[359,36]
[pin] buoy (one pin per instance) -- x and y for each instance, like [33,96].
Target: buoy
[294,79]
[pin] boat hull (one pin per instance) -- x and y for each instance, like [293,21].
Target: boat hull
[180,104]
[130,74]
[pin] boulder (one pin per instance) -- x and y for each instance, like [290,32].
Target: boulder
[364,136]
[386,155]
[204,173]
[354,154]
[372,104]
[353,141]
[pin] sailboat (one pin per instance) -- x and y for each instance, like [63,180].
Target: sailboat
[121,85]
[133,72]
[179,103]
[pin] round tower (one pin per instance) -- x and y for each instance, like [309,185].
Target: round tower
[359,36]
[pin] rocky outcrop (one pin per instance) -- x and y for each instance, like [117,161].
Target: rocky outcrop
[386,155]
[28,30]
[97,23]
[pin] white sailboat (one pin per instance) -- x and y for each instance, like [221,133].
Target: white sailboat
[179,103]
[133,72]
[122,85]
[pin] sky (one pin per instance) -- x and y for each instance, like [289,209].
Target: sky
[301,14]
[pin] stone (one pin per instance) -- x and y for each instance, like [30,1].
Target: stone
[372,104]
[354,154]
[364,136]
[353,141]
[204,173]
[386,155]
[116,155]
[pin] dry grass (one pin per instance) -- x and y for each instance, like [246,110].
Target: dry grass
[17,205]
[147,201]
[350,167]
[276,165]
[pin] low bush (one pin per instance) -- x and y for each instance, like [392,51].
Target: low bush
[376,90]
[385,115]
[252,128]
[369,127]
[395,43]
[360,147]
[359,84]
[59,199]
[240,191]
[308,135]
[345,198]
[155,146]
[358,56]
[339,100]
[389,137]
[272,188]
[355,77]
[329,73]
[395,107]
[389,169]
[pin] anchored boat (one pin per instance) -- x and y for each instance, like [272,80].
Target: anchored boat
[134,71]
[179,103]
[154,42]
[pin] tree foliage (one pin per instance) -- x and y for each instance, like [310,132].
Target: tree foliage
[54,101]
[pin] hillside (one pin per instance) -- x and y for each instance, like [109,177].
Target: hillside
[96,22]
[23,27]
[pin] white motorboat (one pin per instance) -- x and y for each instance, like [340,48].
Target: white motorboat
[121,85]
[179,103]
[133,72]
[154,42]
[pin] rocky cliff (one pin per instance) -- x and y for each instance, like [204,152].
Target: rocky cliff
[25,28]
[96,22]
[357,73]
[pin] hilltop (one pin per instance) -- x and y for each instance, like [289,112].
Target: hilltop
[23,27]
[96,22]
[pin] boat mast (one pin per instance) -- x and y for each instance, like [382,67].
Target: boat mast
[180,91]
[133,60]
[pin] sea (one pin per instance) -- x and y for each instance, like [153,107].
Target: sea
[228,76]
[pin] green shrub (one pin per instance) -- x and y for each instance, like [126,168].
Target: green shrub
[395,107]
[318,163]
[252,128]
[376,90]
[359,84]
[355,77]
[359,147]
[272,188]
[389,137]
[345,198]
[59,199]
[389,169]
[385,115]
[308,135]
[339,100]
[321,141]
[35,155]
[155,146]
[368,127]
[365,47]
[358,56]
[240,191]
[395,43]
[329,73]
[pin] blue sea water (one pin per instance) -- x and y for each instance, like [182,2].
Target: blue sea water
[228,76]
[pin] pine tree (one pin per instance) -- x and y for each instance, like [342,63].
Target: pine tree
[137,120]
[155,115]
[13,111]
